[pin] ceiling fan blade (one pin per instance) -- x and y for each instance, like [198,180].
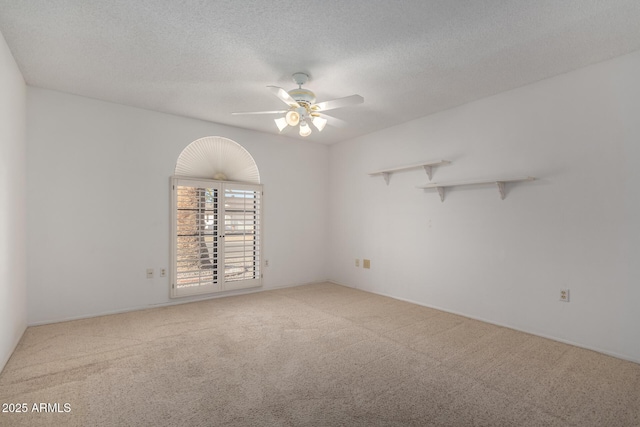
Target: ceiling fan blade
[284,96]
[339,103]
[261,112]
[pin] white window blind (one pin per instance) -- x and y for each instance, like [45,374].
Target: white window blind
[216,236]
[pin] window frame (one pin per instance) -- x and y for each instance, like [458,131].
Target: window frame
[222,284]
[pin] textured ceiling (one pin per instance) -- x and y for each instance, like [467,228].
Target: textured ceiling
[208,58]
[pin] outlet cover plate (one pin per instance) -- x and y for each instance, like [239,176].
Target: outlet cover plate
[564,295]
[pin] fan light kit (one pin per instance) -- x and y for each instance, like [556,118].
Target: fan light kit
[303,108]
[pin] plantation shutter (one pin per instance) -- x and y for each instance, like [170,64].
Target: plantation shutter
[216,236]
[242,207]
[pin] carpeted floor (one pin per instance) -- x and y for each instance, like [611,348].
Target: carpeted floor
[315,355]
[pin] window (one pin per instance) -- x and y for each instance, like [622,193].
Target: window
[216,236]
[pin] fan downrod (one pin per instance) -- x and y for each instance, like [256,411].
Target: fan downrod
[300,78]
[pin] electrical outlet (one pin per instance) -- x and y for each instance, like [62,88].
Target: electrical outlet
[366,263]
[163,272]
[357,262]
[564,295]
[149,273]
[266,263]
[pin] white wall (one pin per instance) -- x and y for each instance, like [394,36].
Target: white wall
[504,261]
[13,282]
[98,182]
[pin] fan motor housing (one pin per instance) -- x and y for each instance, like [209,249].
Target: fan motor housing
[303,96]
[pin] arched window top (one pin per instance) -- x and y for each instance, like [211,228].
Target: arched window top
[215,157]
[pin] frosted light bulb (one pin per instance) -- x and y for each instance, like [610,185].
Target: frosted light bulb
[293,118]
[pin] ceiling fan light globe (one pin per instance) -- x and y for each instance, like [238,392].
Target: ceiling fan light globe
[281,123]
[305,130]
[319,123]
[292,118]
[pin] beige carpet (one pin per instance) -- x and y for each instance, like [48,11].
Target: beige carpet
[315,355]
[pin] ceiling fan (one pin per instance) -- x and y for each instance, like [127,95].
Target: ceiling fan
[303,108]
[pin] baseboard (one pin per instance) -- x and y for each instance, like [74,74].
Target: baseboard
[170,303]
[335,282]
[5,360]
[492,322]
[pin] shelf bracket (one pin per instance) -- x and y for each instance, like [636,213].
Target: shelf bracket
[427,166]
[500,185]
[428,169]
[386,176]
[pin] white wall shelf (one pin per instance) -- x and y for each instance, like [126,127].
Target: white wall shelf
[500,183]
[428,167]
